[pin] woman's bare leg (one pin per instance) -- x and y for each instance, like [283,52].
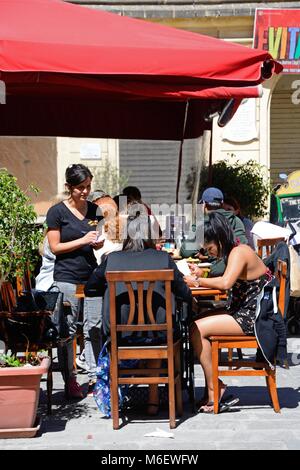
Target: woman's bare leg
[204,328]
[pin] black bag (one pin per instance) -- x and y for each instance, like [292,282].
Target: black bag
[33,300]
[26,302]
[52,300]
[58,317]
[27,328]
[46,300]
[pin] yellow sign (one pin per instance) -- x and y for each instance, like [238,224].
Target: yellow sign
[292,186]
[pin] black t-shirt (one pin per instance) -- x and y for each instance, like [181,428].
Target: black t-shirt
[76,266]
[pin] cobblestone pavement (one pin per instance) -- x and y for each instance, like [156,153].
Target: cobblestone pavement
[252,425]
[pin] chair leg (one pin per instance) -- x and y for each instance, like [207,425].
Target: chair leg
[49,384]
[74,353]
[240,354]
[114,393]
[215,371]
[230,356]
[179,406]
[271,384]
[171,382]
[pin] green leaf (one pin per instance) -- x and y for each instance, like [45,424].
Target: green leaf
[19,236]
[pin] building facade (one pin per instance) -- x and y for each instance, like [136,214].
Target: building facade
[265,129]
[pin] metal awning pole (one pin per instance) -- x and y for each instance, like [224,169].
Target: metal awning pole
[179,169]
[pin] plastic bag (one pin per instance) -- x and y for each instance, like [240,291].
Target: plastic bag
[101,391]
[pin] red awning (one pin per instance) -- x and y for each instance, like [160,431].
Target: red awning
[75,71]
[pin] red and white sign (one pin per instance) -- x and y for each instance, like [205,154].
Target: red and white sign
[278,32]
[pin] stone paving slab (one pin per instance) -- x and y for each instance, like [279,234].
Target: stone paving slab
[252,425]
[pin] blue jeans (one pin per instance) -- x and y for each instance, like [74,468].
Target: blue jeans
[69,291]
[92,322]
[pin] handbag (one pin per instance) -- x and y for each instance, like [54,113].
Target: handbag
[54,325]
[33,300]
[46,300]
[58,315]
[32,327]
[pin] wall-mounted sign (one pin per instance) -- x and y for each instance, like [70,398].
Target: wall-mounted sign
[90,151]
[278,32]
[242,127]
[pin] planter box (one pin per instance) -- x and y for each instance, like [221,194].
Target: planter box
[19,395]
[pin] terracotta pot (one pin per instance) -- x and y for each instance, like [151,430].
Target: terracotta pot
[19,395]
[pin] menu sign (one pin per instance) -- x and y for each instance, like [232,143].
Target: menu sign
[290,208]
[278,32]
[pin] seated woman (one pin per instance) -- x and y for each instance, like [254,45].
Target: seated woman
[138,254]
[245,275]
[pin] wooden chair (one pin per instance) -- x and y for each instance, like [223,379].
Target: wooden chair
[268,244]
[170,351]
[257,368]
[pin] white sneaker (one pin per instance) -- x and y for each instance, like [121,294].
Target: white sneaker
[80,361]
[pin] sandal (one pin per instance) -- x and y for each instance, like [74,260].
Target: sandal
[227,405]
[204,400]
[223,406]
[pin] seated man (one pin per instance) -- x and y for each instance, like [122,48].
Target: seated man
[213,198]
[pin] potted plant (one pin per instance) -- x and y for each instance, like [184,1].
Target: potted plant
[19,394]
[246,181]
[19,240]
[19,235]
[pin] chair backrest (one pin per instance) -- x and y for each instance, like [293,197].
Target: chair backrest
[24,283]
[268,244]
[7,297]
[282,277]
[145,319]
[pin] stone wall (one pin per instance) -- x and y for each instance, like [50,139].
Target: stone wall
[173,9]
[33,160]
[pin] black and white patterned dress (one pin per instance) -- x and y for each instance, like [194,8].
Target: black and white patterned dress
[243,301]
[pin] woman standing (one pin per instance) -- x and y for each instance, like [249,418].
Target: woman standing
[72,237]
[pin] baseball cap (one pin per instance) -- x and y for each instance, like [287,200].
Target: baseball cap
[93,196]
[212,195]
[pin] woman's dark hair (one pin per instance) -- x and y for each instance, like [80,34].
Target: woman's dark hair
[138,229]
[231,201]
[77,173]
[218,230]
[133,193]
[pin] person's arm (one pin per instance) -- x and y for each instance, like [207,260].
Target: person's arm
[237,263]
[97,284]
[58,247]
[179,287]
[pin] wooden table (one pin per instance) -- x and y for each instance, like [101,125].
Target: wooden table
[207,292]
[80,291]
[196,292]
